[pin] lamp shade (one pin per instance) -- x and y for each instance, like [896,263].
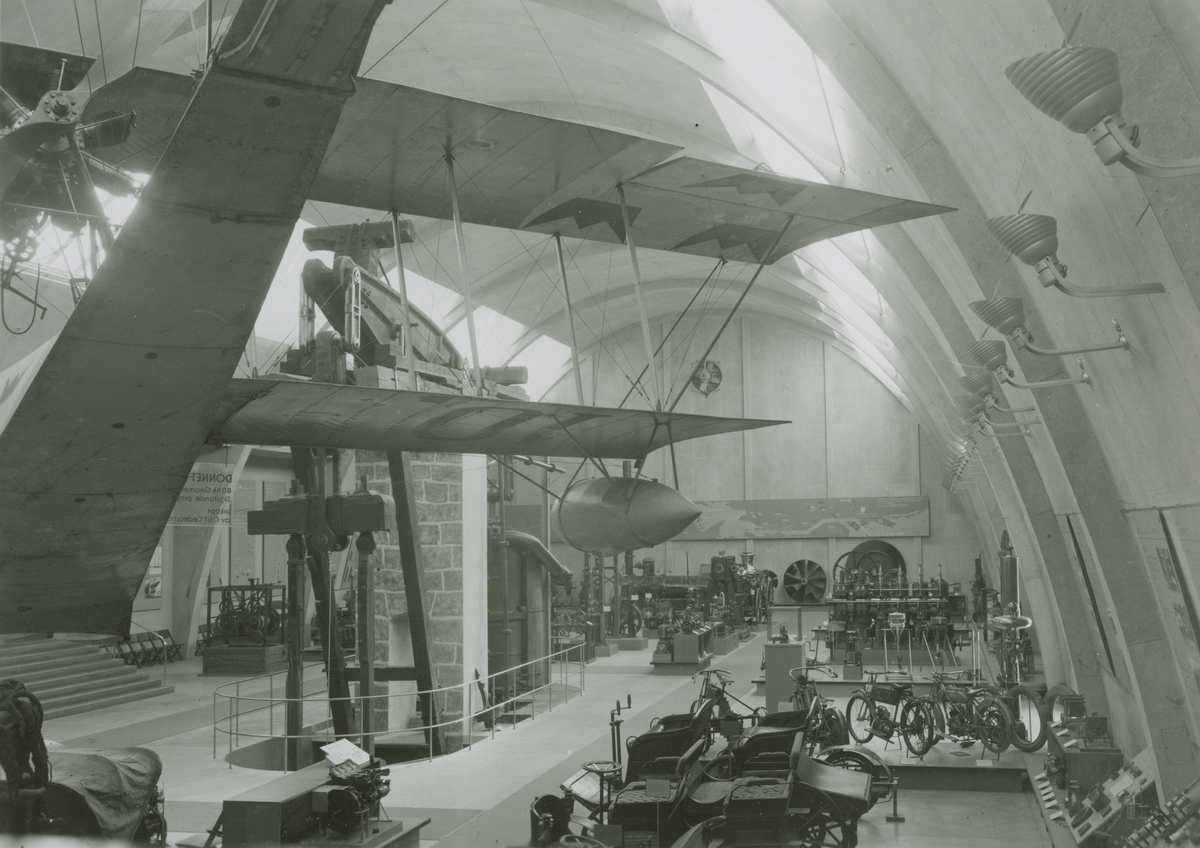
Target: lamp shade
[1001,313]
[990,354]
[1031,237]
[976,384]
[968,406]
[1080,86]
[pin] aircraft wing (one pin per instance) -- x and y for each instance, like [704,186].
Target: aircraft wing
[522,171]
[101,444]
[693,206]
[304,414]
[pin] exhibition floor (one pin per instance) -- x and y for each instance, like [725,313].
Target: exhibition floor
[481,796]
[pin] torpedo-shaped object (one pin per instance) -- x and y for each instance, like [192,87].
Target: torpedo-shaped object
[606,515]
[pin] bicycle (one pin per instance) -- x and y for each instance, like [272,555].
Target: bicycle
[724,720]
[826,726]
[912,717]
[966,713]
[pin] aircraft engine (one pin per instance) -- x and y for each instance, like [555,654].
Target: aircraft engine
[610,514]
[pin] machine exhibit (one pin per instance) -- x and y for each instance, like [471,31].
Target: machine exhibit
[623,424]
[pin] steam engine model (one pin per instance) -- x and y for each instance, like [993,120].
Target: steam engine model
[870,589]
[729,595]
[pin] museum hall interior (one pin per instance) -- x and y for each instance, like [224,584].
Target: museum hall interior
[600,423]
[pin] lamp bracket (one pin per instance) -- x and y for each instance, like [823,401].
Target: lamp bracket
[1022,338]
[1005,375]
[1053,273]
[991,403]
[1113,145]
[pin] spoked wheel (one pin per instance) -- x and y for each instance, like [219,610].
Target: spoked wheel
[631,623]
[917,727]
[1031,724]
[860,712]
[994,725]
[819,826]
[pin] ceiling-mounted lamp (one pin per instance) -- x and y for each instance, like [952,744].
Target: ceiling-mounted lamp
[1034,240]
[1081,87]
[954,469]
[980,386]
[973,410]
[1007,314]
[993,356]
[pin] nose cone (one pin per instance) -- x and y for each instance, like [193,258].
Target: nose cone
[607,515]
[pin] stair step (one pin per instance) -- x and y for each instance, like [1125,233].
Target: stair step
[91,671]
[67,687]
[100,692]
[112,701]
[46,649]
[40,664]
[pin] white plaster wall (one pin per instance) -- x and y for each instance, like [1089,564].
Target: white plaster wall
[474,593]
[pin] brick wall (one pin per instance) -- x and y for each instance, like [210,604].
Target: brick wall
[437,489]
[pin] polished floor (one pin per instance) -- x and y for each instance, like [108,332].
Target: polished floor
[481,796]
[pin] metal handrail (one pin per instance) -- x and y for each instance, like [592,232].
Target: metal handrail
[154,635]
[233,730]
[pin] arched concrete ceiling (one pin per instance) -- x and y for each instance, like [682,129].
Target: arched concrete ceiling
[902,98]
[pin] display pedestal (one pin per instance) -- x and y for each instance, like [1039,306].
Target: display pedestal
[782,657]
[632,643]
[608,649]
[725,644]
[690,652]
[243,660]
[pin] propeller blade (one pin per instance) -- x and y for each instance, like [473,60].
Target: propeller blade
[27,73]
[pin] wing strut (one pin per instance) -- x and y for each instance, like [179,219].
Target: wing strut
[562,270]
[406,337]
[716,268]
[462,272]
[637,291]
[582,450]
[729,317]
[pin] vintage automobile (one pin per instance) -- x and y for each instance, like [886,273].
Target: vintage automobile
[111,794]
[792,799]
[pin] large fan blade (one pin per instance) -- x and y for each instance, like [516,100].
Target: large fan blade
[805,581]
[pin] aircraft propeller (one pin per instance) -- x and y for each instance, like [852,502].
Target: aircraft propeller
[46,168]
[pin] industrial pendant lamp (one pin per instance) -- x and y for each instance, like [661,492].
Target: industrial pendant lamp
[1034,240]
[980,386]
[993,356]
[1007,314]
[1081,87]
[972,410]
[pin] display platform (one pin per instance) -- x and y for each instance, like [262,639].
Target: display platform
[683,669]
[608,649]
[632,643]
[722,645]
[243,660]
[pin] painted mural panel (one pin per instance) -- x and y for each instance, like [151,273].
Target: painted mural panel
[819,518]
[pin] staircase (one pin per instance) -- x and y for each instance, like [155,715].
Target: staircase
[71,677]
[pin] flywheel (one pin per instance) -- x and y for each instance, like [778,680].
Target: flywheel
[804,582]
